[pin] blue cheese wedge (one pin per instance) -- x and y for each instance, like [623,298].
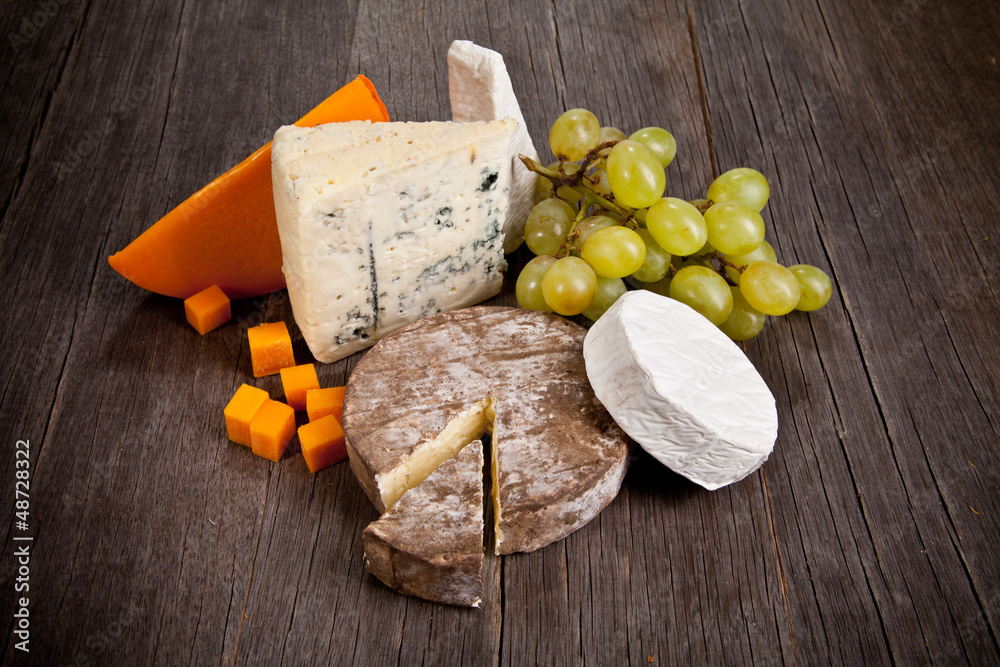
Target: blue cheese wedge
[480,89]
[681,389]
[383,224]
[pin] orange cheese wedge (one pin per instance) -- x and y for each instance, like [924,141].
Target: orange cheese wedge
[226,233]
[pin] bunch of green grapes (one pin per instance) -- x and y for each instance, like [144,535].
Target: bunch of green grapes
[602,219]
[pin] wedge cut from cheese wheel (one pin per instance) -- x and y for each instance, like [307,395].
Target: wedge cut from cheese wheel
[557,456]
[382,224]
[480,89]
[430,543]
[681,389]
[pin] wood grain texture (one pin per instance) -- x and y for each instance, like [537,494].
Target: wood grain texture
[867,537]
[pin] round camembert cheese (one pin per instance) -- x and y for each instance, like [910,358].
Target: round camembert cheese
[681,389]
[425,391]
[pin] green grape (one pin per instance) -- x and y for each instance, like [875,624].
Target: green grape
[746,185]
[770,288]
[659,141]
[544,187]
[599,181]
[635,175]
[699,202]
[745,321]
[706,249]
[657,261]
[814,284]
[661,287]
[614,252]
[547,225]
[681,262]
[588,226]
[609,134]
[608,291]
[677,226]
[704,290]
[734,228]
[529,283]
[573,134]
[569,286]
[765,251]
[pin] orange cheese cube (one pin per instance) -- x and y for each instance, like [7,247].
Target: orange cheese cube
[297,380]
[240,410]
[323,402]
[322,443]
[208,309]
[271,429]
[270,348]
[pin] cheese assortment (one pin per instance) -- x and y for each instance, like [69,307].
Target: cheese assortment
[430,543]
[382,224]
[557,457]
[388,233]
[480,89]
[681,389]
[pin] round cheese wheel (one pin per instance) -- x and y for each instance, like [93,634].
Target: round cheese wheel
[427,390]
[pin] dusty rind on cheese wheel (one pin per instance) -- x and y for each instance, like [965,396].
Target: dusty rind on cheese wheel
[681,389]
[430,544]
[558,458]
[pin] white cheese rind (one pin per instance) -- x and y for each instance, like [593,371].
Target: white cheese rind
[480,89]
[382,224]
[681,389]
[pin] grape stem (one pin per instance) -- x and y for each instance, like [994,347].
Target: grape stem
[717,256]
[566,249]
[576,182]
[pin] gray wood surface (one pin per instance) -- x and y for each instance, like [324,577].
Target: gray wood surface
[867,538]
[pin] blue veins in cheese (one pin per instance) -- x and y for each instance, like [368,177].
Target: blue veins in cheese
[383,224]
[681,389]
[480,89]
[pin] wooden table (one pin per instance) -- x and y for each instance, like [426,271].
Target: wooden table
[867,538]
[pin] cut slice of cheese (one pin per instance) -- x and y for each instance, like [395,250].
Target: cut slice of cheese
[559,458]
[681,389]
[480,89]
[225,233]
[430,543]
[382,224]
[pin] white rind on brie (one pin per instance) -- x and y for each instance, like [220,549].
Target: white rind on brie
[480,89]
[382,224]
[681,389]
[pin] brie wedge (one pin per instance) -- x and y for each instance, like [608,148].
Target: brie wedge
[480,89]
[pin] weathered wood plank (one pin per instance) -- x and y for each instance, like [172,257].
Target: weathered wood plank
[866,540]
[402,49]
[147,518]
[803,89]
